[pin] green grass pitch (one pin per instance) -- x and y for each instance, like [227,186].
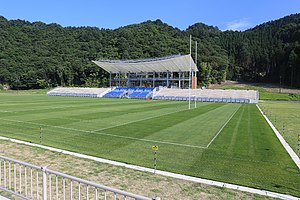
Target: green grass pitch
[219,141]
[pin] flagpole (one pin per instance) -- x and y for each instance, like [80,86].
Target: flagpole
[195,74]
[190,71]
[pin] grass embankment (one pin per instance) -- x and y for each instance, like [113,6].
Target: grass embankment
[266,93]
[24,92]
[285,117]
[245,152]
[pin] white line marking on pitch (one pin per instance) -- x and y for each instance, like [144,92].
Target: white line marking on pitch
[107,134]
[139,120]
[6,111]
[127,137]
[164,173]
[38,124]
[222,127]
[154,141]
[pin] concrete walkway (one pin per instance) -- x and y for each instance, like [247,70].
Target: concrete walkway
[4,197]
[164,173]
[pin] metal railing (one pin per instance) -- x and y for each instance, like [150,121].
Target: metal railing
[29,181]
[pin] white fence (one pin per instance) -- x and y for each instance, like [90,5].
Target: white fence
[33,182]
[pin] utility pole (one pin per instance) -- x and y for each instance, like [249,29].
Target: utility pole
[280,84]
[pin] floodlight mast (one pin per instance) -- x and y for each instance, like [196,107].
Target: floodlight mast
[190,71]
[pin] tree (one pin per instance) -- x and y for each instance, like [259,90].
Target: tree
[291,63]
[35,54]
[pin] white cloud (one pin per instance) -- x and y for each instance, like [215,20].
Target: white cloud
[238,25]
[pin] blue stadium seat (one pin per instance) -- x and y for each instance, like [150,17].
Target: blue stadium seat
[134,93]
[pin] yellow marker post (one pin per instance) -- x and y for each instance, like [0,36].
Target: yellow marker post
[155,149]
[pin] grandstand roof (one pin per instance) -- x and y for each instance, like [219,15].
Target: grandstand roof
[175,63]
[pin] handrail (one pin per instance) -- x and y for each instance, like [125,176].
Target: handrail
[45,171]
[20,162]
[96,185]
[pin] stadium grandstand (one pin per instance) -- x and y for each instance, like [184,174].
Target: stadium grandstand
[238,96]
[170,71]
[167,78]
[78,92]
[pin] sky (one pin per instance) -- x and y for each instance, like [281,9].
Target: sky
[226,14]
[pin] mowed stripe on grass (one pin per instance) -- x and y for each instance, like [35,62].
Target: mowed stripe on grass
[245,152]
[192,127]
[250,151]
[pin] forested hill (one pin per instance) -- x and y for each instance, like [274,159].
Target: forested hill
[38,55]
